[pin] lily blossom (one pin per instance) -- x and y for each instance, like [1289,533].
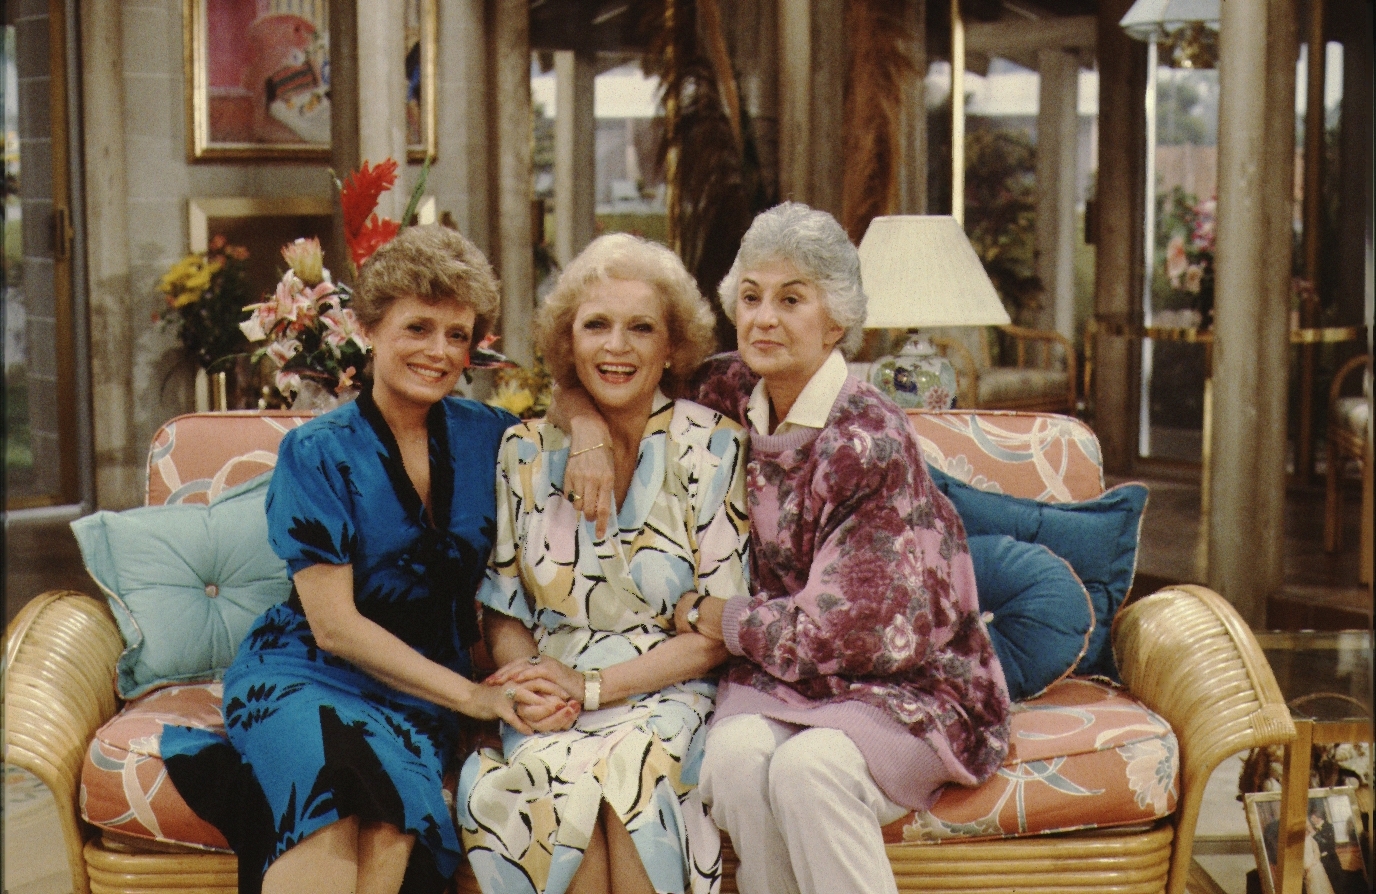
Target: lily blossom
[306,260]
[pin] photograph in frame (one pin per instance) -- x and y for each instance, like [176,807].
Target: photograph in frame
[258,79]
[1333,855]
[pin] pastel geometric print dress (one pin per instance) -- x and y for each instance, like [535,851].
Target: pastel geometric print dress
[526,814]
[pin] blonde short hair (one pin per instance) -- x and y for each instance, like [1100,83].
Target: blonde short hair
[623,256]
[431,263]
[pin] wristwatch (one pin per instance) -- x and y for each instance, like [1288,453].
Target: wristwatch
[694,614]
[592,690]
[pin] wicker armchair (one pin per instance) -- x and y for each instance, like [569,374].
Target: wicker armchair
[1184,652]
[1040,379]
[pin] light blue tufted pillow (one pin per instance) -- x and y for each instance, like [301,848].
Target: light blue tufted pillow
[184,582]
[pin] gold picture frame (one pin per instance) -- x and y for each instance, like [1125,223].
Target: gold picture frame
[1333,850]
[257,84]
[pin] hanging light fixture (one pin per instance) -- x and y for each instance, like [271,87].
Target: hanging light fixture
[1186,29]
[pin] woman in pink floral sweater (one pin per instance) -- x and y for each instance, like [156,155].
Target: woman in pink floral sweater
[868,680]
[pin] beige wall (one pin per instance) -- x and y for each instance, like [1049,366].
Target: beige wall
[138,183]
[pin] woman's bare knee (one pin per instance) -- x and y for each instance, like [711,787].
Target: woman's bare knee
[325,861]
[383,852]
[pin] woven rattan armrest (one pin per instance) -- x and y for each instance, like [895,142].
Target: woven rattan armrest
[1188,655]
[59,672]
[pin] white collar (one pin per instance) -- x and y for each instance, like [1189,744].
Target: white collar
[814,402]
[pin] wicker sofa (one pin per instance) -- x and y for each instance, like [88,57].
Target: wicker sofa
[1185,656]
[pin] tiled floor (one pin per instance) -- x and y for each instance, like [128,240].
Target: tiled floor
[1321,591]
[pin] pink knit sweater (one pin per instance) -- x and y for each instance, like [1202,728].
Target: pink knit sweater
[864,616]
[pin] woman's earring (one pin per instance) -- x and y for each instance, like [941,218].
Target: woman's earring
[668,364]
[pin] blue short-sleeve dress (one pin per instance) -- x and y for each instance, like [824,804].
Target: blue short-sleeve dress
[314,738]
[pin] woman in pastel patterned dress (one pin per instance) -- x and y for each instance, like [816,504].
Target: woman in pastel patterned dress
[607,801]
[341,704]
[865,679]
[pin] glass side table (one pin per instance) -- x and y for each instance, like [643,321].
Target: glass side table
[1326,679]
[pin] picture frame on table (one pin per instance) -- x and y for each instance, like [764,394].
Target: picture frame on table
[257,77]
[1334,862]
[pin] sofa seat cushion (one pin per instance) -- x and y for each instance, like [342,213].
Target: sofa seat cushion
[124,785]
[1085,754]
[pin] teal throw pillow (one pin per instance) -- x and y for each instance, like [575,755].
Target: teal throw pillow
[184,582]
[1097,537]
[1039,615]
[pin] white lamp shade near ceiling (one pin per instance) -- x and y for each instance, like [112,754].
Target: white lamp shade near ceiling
[1153,20]
[920,270]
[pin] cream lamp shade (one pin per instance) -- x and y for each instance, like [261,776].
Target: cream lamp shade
[919,270]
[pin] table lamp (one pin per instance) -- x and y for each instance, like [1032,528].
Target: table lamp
[919,270]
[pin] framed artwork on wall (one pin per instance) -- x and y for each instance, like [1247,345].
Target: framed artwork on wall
[258,79]
[1334,837]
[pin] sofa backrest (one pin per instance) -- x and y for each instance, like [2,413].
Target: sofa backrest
[1041,456]
[195,457]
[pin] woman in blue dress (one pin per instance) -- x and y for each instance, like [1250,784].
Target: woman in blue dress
[342,704]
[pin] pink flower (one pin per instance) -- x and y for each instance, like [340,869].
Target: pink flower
[346,380]
[1194,278]
[1176,261]
[341,327]
[253,327]
[288,382]
[283,350]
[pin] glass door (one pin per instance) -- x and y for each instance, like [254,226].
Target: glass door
[41,448]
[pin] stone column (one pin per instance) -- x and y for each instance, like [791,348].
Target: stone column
[459,178]
[1118,237]
[513,254]
[1058,125]
[381,94]
[575,151]
[115,316]
[1250,340]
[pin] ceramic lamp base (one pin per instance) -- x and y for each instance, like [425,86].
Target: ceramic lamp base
[917,377]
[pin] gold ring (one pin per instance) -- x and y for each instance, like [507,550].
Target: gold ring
[510,695]
[534,659]
[573,497]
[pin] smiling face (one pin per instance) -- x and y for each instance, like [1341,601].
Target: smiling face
[419,351]
[620,344]
[783,329]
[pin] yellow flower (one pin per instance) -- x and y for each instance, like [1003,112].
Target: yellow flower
[182,299]
[513,398]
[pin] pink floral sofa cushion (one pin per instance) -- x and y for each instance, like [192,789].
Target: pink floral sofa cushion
[1085,754]
[124,784]
[195,457]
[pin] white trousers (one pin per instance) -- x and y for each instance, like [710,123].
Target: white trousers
[800,806]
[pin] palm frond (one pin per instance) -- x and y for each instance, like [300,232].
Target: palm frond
[880,60]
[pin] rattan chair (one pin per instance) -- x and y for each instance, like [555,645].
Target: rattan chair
[1040,378]
[1184,652]
[1348,420]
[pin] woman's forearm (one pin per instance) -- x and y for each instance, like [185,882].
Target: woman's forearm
[327,596]
[507,638]
[687,656]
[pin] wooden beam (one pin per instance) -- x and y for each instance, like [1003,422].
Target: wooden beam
[1025,36]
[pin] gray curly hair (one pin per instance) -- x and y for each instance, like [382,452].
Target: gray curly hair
[813,242]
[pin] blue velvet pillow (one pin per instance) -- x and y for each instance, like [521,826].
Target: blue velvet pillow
[184,582]
[1097,537]
[1040,616]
